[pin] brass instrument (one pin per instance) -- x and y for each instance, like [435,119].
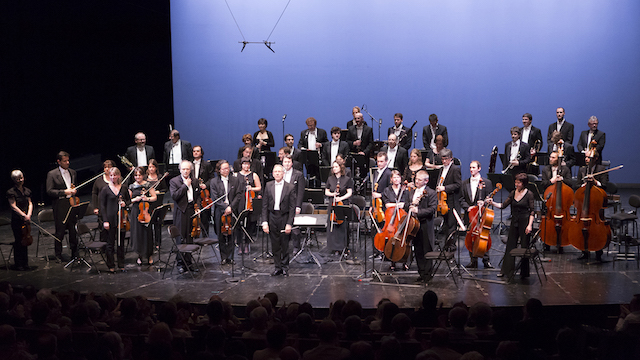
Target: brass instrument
[536,146]
[125,161]
[510,164]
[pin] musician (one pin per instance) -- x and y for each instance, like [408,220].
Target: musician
[255,164]
[337,233]
[559,145]
[382,176]
[601,180]
[474,190]
[342,160]
[312,139]
[19,198]
[113,200]
[450,181]
[263,139]
[415,164]
[432,130]
[140,192]
[400,131]
[278,211]
[553,173]
[532,136]
[285,150]
[295,153]
[516,153]
[593,134]
[176,149]
[248,181]
[98,185]
[153,178]
[433,160]
[141,153]
[247,139]
[424,211]
[354,111]
[395,196]
[203,172]
[226,185]
[296,178]
[521,201]
[360,136]
[562,125]
[183,192]
[60,189]
[398,156]
[334,147]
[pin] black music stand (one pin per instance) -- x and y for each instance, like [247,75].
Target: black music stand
[508,184]
[172,169]
[269,161]
[359,165]
[77,213]
[325,171]
[311,161]
[377,145]
[344,213]
[157,219]
[434,174]
[314,196]
[241,222]
[343,134]
[303,243]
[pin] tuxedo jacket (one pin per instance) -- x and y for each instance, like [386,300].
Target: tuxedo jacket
[383,182]
[603,178]
[598,136]
[206,172]
[402,158]
[298,180]
[217,190]
[427,205]
[465,194]
[427,135]
[452,183]
[406,141]
[343,148]
[569,154]
[566,130]
[547,173]
[525,157]
[132,154]
[55,189]
[179,192]
[287,203]
[534,134]
[367,139]
[304,137]
[187,151]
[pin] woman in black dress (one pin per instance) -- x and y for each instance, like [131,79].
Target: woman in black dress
[140,193]
[155,227]
[415,165]
[395,196]
[112,198]
[521,201]
[337,234]
[248,181]
[263,139]
[20,201]
[98,185]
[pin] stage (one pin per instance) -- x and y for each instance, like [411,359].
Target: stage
[569,281]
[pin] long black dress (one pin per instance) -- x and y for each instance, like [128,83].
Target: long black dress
[139,232]
[520,213]
[20,257]
[240,199]
[337,239]
[109,211]
[155,227]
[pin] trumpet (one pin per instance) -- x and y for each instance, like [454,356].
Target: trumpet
[511,165]
[536,146]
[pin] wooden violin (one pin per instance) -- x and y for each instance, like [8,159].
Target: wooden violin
[378,214]
[195,223]
[478,238]
[75,200]
[333,218]
[249,195]
[124,223]
[227,225]
[443,208]
[205,197]
[143,216]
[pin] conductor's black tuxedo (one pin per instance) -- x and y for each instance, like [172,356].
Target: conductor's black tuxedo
[60,203]
[278,219]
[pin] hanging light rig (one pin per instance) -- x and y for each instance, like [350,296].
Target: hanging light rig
[265,42]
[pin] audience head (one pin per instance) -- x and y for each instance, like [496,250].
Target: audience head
[458,317]
[401,324]
[259,318]
[327,331]
[439,337]
[276,336]
[480,314]
[129,308]
[533,309]
[429,300]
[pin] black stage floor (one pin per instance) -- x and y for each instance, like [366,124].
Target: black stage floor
[570,281]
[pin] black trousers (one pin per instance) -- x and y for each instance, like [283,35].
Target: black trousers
[516,231]
[183,222]
[422,244]
[20,252]
[279,240]
[114,247]
[60,230]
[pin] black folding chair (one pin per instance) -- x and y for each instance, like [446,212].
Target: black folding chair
[179,251]
[528,253]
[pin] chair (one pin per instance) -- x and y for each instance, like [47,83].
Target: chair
[529,253]
[443,255]
[91,246]
[179,250]
[620,223]
[204,242]
[7,241]
[44,216]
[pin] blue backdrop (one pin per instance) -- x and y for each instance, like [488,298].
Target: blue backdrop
[479,65]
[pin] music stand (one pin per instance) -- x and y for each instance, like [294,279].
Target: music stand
[77,213]
[377,145]
[309,221]
[269,160]
[508,184]
[157,219]
[314,196]
[344,213]
[311,161]
[343,134]
[359,165]
[325,171]
[241,222]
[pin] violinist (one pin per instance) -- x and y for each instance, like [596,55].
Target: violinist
[183,193]
[98,185]
[248,183]
[342,160]
[474,190]
[517,153]
[433,159]
[521,201]
[203,171]
[153,178]
[559,145]
[395,196]
[263,138]
[112,199]
[334,147]
[585,174]
[141,195]
[337,234]
[415,165]
[60,188]
[551,174]
[382,176]
[449,181]
[424,211]
[19,198]
[226,185]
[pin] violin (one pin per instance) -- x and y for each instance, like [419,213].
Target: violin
[478,238]
[378,214]
[74,200]
[125,225]
[143,216]
[391,220]
[335,203]
[26,238]
[443,208]
[195,223]
[205,197]
[398,248]
[227,225]
[249,195]
[559,200]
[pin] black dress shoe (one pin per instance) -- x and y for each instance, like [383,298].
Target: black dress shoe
[500,275]
[487,265]
[560,250]
[472,265]
[584,256]
[420,280]
[181,269]
[277,272]
[285,273]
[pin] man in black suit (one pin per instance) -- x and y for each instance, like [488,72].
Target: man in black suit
[227,185]
[360,137]
[256,165]
[334,147]
[381,177]
[176,150]
[59,188]
[559,145]
[183,193]
[141,153]
[562,125]
[295,153]
[450,181]
[278,211]
[516,153]
[432,130]
[593,134]
[397,155]
[474,190]
[285,150]
[295,177]
[202,172]
[532,136]
[424,211]
[312,139]
[551,174]
[400,131]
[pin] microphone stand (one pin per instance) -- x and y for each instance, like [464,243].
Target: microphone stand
[372,120]
[283,133]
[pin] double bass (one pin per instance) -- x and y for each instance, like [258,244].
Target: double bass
[478,238]
[588,231]
[559,198]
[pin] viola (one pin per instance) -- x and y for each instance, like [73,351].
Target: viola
[205,197]
[249,195]
[333,218]
[227,225]
[559,200]
[143,216]
[195,223]
[26,239]
[588,230]
[478,238]
[378,214]
[124,223]
[398,248]
[443,208]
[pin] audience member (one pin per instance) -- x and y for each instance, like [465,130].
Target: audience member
[328,348]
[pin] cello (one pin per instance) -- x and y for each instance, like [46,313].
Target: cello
[398,248]
[392,218]
[478,238]
[559,198]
